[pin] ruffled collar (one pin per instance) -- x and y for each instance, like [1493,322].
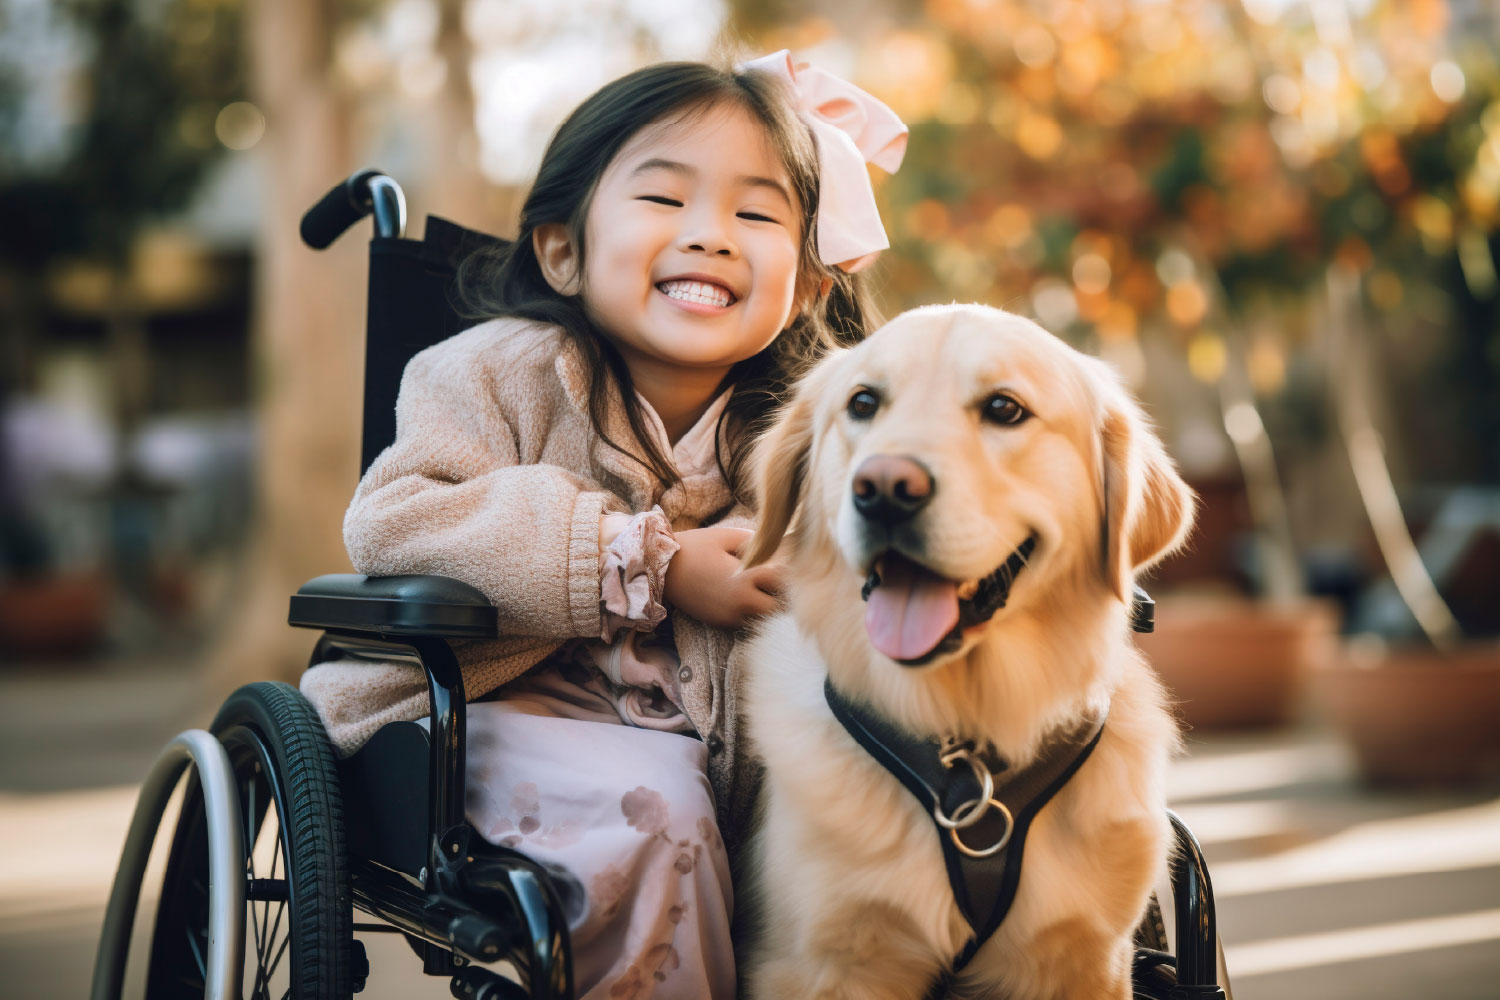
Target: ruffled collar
[693,454]
[702,490]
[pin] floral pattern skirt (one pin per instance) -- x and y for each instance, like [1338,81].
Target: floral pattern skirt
[625,816]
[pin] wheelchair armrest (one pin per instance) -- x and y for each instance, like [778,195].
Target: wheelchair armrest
[394,605]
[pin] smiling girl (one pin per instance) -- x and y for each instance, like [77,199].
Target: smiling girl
[688,247]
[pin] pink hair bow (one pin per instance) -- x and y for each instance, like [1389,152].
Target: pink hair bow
[852,128]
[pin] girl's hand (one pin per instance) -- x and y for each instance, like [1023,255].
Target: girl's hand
[705,581]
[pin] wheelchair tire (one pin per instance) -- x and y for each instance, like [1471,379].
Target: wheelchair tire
[298,914]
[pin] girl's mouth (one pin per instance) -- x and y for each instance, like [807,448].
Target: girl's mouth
[697,296]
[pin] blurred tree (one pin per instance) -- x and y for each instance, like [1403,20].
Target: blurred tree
[455,188]
[327,89]
[164,88]
[308,334]
[1180,176]
[153,77]
[156,77]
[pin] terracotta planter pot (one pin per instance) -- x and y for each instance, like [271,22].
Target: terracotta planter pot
[53,616]
[1231,662]
[1417,716]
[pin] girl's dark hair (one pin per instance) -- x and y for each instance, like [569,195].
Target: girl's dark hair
[507,280]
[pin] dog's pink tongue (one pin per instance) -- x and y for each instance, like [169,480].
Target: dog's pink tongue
[911,610]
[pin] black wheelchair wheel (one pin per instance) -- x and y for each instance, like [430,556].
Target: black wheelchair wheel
[298,916]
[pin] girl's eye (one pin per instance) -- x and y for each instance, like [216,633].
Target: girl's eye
[1001,409]
[660,200]
[863,404]
[756,216]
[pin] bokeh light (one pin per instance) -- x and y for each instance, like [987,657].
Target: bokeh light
[240,125]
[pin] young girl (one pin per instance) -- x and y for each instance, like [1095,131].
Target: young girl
[580,459]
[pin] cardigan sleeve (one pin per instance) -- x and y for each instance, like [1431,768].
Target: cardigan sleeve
[738,516]
[450,497]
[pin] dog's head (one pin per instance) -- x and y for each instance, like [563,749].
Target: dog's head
[963,467]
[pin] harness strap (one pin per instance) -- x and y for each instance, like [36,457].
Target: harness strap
[984,887]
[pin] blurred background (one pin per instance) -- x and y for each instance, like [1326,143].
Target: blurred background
[1277,218]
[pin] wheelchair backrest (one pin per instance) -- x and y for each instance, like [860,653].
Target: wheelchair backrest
[411,306]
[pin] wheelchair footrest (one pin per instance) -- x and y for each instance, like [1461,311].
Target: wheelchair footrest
[474,983]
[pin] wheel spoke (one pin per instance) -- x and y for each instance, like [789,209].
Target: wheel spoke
[264,972]
[262,938]
[193,929]
[250,829]
[192,939]
[277,960]
[262,985]
[266,908]
[268,970]
[263,945]
[271,935]
[256,924]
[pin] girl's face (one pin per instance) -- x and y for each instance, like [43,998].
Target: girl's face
[692,244]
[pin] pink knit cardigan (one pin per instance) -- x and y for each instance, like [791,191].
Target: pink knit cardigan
[496,478]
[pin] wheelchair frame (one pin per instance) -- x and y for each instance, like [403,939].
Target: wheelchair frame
[424,871]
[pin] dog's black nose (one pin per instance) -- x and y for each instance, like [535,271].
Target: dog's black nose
[889,489]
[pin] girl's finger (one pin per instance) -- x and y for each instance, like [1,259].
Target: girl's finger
[758,602]
[735,539]
[767,578]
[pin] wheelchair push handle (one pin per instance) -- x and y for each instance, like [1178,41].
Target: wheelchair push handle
[351,200]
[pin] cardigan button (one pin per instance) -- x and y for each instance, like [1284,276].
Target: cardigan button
[715,744]
[685,674]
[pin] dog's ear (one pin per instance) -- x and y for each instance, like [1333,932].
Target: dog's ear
[1148,509]
[780,468]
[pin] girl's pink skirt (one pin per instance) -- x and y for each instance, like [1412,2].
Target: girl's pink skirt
[628,814]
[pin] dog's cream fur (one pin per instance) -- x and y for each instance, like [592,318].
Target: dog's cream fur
[845,870]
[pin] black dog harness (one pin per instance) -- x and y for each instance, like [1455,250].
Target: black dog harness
[981,808]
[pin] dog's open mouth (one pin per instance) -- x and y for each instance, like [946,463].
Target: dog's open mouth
[913,615]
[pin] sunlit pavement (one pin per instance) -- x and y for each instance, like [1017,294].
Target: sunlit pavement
[1326,889]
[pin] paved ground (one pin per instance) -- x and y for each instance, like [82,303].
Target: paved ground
[1326,889]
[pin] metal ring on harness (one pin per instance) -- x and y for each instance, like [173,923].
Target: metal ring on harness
[970,811]
[1010,825]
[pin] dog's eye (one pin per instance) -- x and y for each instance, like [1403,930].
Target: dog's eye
[1002,409]
[863,404]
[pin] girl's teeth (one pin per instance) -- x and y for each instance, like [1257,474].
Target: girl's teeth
[695,291]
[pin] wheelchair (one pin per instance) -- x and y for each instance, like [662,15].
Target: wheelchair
[278,843]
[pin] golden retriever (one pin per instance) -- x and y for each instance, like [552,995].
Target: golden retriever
[1007,434]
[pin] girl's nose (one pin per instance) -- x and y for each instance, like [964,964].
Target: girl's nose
[705,236]
[723,250]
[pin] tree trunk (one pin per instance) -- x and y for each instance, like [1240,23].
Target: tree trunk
[1352,392]
[308,343]
[452,185]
